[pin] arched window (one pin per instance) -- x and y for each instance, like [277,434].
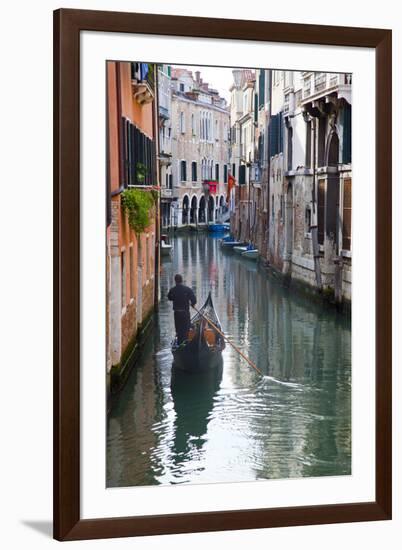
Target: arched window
[193,124]
[183,170]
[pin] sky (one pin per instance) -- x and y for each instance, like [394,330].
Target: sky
[219,78]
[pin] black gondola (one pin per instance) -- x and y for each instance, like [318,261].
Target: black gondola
[203,348]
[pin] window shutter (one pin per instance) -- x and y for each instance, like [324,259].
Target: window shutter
[321,210]
[281,133]
[242,174]
[261,88]
[347,214]
[273,135]
[255,107]
[347,135]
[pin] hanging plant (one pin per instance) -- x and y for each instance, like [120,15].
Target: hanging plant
[137,205]
[141,170]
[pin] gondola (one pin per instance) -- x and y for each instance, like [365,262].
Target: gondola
[203,348]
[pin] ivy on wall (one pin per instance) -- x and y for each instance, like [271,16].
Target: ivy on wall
[138,207]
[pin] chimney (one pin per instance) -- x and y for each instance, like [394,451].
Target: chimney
[197,76]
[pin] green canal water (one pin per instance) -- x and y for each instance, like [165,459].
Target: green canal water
[233,425]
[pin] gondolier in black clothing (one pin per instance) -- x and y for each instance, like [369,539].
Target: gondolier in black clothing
[181,296]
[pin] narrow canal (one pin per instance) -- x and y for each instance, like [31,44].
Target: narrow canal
[235,425]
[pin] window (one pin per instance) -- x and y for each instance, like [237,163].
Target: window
[181,87]
[276,134]
[308,144]
[234,170]
[225,173]
[290,148]
[182,123]
[347,135]
[242,174]
[137,156]
[322,134]
[217,172]
[261,88]
[123,278]
[193,171]
[183,170]
[321,210]
[307,219]
[216,130]
[193,125]
[347,214]
[147,260]
[132,278]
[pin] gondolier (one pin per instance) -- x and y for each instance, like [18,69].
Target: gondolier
[181,296]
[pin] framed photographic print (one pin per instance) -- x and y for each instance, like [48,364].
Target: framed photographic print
[222,334]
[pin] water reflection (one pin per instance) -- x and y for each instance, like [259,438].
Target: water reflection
[293,422]
[193,401]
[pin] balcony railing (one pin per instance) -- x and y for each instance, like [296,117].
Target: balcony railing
[320,82]
[324,81]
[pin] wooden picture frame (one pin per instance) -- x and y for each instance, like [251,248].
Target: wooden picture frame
[67,26]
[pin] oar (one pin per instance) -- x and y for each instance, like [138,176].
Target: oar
[228,341]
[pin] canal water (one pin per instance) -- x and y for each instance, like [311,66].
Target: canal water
[234,425]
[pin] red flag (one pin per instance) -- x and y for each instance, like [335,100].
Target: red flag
[231,184]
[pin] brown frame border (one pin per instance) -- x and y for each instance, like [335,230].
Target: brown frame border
[67,26]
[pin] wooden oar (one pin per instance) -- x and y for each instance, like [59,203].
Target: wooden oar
[228,341]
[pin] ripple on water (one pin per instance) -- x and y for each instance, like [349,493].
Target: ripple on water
[293,422]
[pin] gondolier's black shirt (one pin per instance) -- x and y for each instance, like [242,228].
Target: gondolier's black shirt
[182,296]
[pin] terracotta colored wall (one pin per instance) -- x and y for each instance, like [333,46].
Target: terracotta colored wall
[140,115]
[113,130]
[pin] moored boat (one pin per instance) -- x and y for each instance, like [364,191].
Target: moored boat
[218,227]
[240,249]
[231,243]
[251,254]
[203,348]
[166,246]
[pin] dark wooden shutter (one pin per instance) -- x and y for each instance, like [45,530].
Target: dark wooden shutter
[280,133]
[273,136]
[132,156]
[255,107]
[321,210]
[261,88]
[347,135]
[308,144]
[347,214]
[242,174]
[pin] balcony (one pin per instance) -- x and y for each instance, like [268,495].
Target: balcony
[143,82]
[166,193]
[164,112]
[319,84]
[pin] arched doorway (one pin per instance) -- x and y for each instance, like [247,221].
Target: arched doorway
[185,210]
[332,196]
[193,210]
[211,209]
[201,210]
